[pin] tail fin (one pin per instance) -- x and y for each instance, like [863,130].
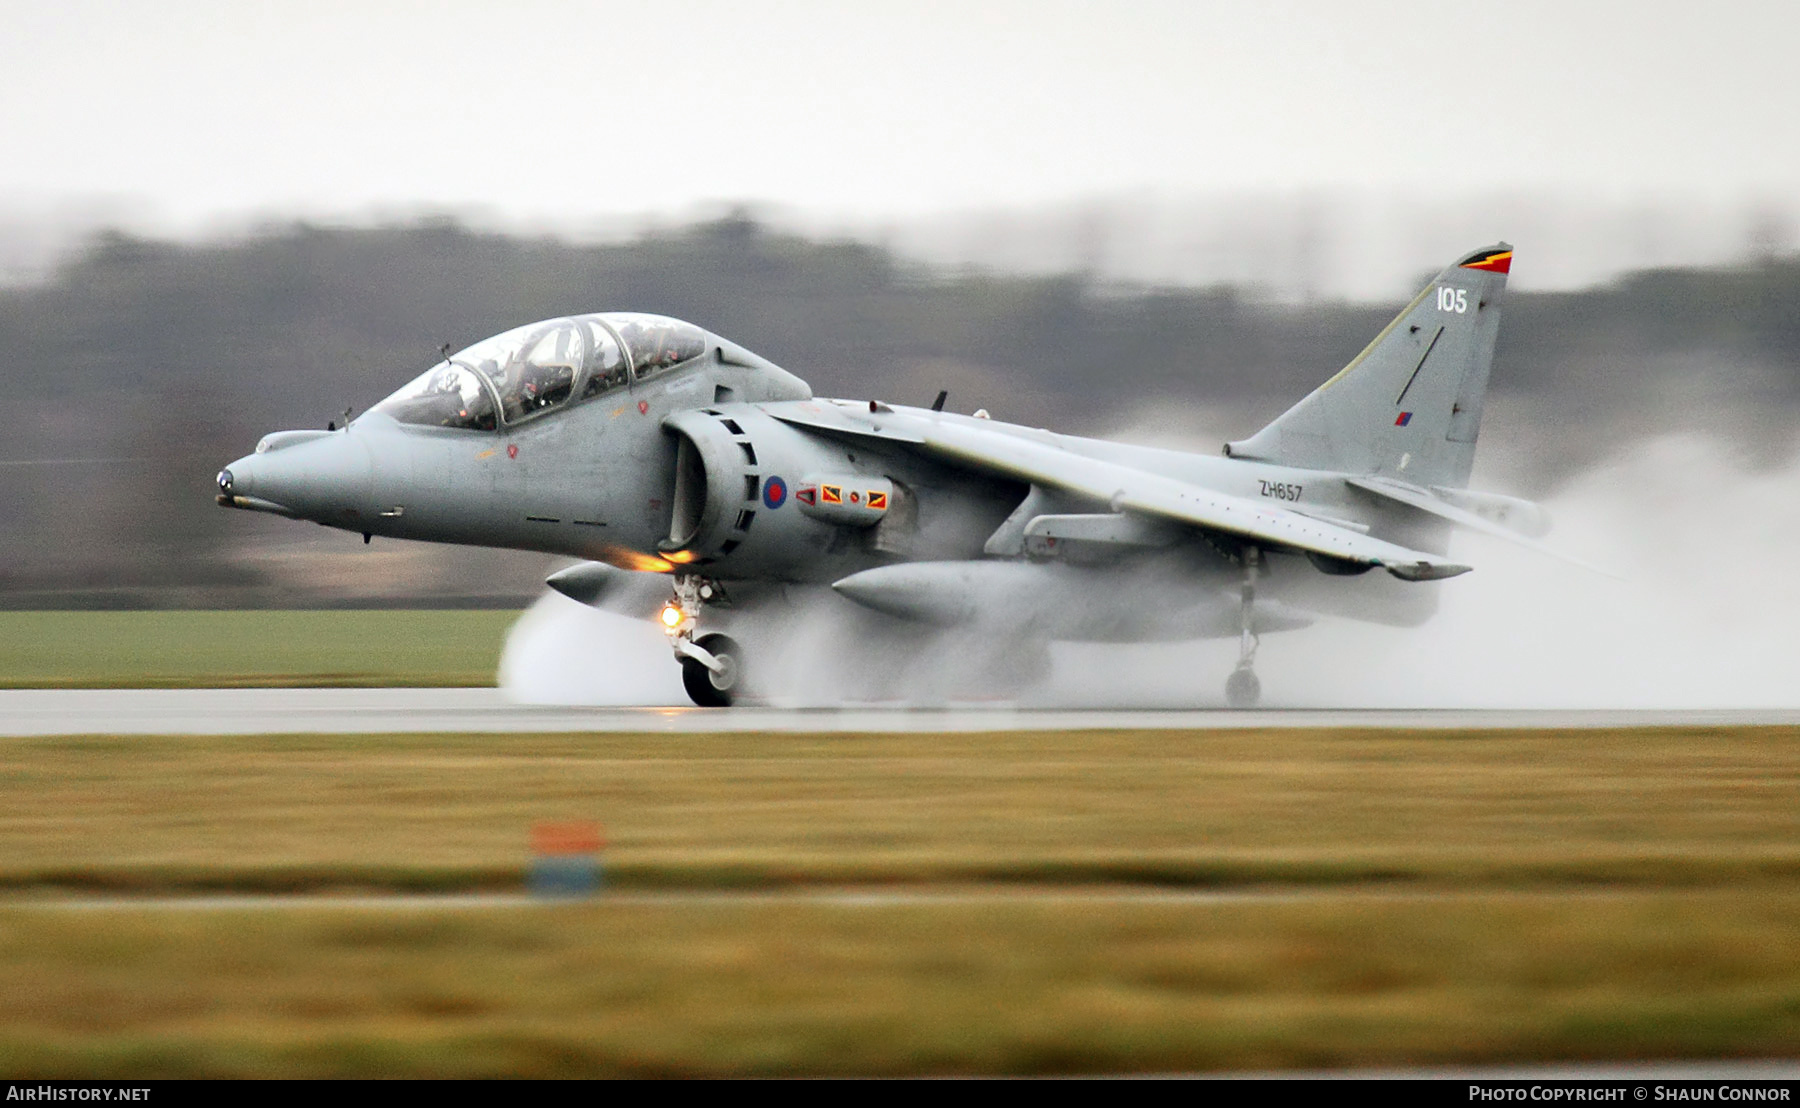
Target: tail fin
[1409,406]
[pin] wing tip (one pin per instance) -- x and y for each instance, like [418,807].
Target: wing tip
[1426,571]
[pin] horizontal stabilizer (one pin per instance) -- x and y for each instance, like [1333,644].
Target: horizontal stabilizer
[1415,497]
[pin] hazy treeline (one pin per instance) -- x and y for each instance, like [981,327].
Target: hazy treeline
[140,367]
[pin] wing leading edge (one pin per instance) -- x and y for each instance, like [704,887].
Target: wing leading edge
[1125,488]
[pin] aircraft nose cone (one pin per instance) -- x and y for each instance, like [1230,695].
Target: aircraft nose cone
[238,488]
[324,478]
[235,479]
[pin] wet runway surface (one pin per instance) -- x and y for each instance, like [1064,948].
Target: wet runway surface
[347,711]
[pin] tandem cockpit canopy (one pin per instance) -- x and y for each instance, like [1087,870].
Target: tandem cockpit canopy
[543,367]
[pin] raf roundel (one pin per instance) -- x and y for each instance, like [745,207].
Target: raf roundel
[774,492]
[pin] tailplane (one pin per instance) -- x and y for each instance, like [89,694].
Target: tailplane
[1409,406]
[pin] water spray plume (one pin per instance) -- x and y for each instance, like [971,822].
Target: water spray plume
[1703,617]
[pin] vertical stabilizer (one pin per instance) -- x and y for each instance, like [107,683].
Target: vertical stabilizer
[1409,406]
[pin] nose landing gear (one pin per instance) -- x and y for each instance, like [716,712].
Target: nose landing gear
[1242,689]
[712,665]
[712,670]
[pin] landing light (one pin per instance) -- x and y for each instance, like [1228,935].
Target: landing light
[671,617]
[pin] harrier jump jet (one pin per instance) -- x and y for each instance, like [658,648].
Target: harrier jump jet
[700,483]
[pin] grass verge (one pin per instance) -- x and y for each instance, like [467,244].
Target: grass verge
[1692,835]
[994,987]
[231,649]
[1678,806]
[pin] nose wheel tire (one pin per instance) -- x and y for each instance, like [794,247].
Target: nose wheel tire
[710,688]
[1242,689]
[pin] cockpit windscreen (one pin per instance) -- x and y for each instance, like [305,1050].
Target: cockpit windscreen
[541,367]
[446,395]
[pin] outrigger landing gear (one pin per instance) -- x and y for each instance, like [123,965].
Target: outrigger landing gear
[712,666]
[1242,689]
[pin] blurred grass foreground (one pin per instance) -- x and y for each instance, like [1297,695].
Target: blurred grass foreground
[899,904]
[978,987]
[212,649]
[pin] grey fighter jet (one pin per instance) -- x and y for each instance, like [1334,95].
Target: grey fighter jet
[701,484]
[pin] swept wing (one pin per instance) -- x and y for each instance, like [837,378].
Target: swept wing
[975,445]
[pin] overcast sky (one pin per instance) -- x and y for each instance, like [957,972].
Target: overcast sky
[559,111]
